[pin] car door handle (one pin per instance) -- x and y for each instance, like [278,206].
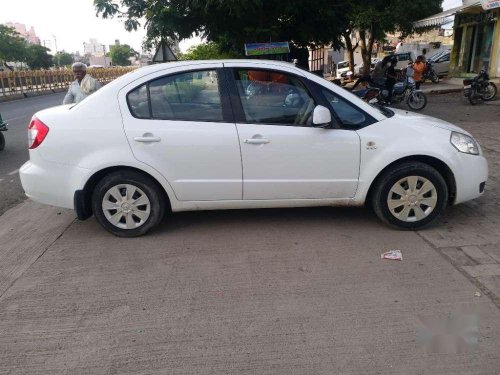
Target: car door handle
[256,141]
[147,139]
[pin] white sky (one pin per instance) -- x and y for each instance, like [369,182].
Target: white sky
[72,22]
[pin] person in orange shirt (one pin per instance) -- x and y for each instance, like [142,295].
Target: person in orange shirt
[419,68]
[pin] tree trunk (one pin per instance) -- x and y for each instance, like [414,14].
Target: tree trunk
[366,51]
[350,48]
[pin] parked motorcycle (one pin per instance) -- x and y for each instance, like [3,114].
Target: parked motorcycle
[479,88]
[3,128]
[430,73]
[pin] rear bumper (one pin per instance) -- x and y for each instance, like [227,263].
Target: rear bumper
[51,183]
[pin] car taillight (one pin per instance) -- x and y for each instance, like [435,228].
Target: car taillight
[37,131]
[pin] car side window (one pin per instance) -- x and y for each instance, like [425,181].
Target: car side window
[349,115]
[190,96]
[138,102]
[275,98]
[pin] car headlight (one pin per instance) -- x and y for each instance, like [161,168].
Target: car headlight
[464,143]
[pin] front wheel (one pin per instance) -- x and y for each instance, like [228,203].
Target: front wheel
[2,141]
[474,97]
[490,92]
[410,196]
[128,203]
[434,77]
[417,100]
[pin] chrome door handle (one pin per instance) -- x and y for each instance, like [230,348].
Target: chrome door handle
[256,141]
[147,139]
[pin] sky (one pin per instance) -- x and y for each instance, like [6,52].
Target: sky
[69,23]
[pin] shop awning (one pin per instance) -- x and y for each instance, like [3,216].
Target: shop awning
[443,17]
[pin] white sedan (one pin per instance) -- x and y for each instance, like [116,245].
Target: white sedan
[207,135]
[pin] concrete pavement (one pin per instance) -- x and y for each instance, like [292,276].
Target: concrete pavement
[299,291]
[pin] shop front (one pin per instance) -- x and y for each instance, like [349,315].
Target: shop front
[476,40]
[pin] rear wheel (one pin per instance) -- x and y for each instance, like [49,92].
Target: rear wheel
[128,203]
[410,196]
[417,100]
[2,141]
[490,92]
[434,77]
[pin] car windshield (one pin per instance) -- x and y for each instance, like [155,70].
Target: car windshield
[343,64]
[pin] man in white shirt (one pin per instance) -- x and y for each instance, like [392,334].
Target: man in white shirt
[82,86]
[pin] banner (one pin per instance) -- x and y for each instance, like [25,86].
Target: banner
[276,48]
[490,4]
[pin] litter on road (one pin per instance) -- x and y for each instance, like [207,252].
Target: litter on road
[393,255]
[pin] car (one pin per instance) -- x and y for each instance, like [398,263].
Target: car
[441,63]
[343,70]
[241,134]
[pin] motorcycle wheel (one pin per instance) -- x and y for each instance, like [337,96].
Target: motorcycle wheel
[490,92]
[434,77]
[474,97]
[417,100]
[2,142]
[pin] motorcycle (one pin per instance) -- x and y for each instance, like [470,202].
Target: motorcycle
[479,88]
[404,91]
[3,128]
[430,73]
[368,94]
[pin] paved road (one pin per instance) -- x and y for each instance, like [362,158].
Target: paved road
[300,291]
[18,114]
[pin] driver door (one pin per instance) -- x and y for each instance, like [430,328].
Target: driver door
[283,155]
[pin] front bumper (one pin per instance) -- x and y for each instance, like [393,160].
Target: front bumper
[471,174]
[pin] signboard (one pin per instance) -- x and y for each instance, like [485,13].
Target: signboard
[276,48]
[490,4]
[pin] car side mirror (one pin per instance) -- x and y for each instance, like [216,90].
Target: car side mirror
[321,116]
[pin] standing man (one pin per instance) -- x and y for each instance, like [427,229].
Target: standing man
[82,86]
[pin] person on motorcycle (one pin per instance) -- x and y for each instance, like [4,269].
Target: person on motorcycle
[391,78]
[418,68]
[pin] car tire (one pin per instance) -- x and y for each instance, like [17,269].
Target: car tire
[410,196]
[128,203]
[2,142]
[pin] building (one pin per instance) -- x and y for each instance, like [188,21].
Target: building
[21,29]
[476,36]
[94,48]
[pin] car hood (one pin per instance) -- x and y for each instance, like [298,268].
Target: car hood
[417,119]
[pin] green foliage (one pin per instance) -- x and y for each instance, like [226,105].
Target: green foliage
[63,58]
[207,51]
[12,46]
[120,54]
[37,57]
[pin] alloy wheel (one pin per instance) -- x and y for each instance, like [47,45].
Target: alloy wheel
[412,198]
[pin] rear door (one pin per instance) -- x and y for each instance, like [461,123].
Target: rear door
[181,124]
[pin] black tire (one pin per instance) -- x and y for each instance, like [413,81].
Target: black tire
[474,97]
[493,92]
[143,185]
[417,100]
[2,141]
[382,193]
[434,77]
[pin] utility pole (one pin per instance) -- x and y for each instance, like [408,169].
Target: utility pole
[55,41]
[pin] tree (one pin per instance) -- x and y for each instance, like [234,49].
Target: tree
[230,23]
[12,46]
[120,54]
[37,57]
[63,58]
[373,19]
[206,51]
